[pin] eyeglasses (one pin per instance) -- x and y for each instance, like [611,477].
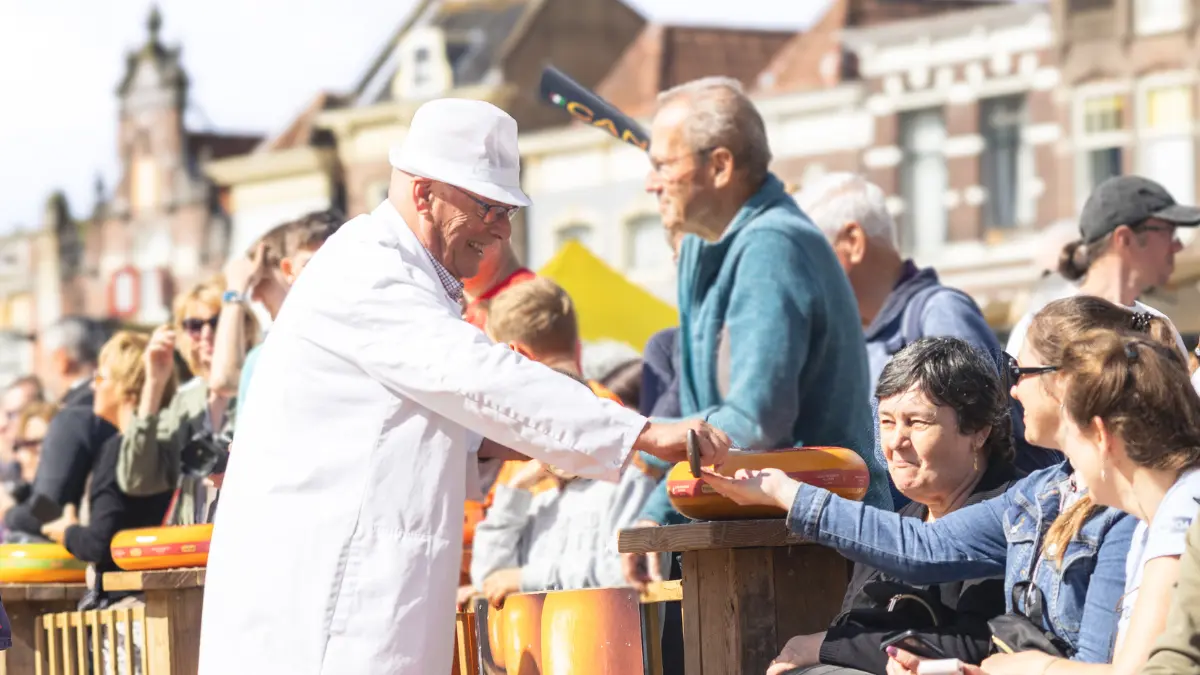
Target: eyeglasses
[195,326]
[657,165]
[491,212]
[1014,371]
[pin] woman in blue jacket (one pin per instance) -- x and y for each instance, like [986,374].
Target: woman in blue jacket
[1047,538]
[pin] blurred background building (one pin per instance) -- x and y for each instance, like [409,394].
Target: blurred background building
[987,123]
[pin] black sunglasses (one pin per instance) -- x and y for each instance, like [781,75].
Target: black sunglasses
[194,326]
[1014,371]
[24,443]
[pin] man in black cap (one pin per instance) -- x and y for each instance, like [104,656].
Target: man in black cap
[1127,246]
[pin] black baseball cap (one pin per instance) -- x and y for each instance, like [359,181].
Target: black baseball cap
[1129,200]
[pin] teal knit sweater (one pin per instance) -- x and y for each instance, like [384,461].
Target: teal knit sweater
[772,348]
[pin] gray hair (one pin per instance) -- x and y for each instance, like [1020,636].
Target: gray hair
[835,199]
[722,116]
[80,337]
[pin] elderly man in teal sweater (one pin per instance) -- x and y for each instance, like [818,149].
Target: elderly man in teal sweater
[771,342]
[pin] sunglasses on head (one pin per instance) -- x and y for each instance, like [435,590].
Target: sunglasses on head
[1014,371]
[197,325]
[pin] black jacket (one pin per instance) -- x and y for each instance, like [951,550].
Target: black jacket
[111,511]
[853,641]
[69,450]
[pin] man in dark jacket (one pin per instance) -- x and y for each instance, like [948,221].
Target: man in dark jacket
[899,302]
[75,434]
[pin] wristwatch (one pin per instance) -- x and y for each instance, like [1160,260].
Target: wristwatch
[233,297]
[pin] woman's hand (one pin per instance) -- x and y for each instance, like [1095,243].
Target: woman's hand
[799,652]
[56,530]
[159,357]
[901,662]
[1021,663]
[768,487]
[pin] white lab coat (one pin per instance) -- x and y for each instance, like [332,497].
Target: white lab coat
[338,537]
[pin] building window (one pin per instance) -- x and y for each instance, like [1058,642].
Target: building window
[1103,157]
[1159,16]
[923,180]
[1166,147]
[576,232]
[646,246]
[1006,165]
[143,183]
[1088,5]
[422,68]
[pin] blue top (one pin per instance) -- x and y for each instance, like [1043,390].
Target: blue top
[244,381]
[1003,535]
[771,342]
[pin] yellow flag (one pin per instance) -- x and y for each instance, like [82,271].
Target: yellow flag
[609,306]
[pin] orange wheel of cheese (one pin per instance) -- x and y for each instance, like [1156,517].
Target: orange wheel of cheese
[39,563]
[590,632]
[838,470]
[523,634]
[160,548]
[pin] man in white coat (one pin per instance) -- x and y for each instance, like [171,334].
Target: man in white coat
[337,542]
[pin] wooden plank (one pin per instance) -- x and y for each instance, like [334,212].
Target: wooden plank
[752,583]
[11,593]
[691,614]
[155,580]
[172,629]
[80,641]
[702,536]
[23,614]
[718,642]
[662,591]
[810,582]
[139,615]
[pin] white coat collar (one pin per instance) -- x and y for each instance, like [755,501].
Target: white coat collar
[408,241]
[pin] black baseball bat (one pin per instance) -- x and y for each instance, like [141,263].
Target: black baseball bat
[558,89]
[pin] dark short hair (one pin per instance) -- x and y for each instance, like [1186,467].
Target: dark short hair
[952,373]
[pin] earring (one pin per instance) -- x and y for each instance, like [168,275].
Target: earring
[1103,476]
[975,460]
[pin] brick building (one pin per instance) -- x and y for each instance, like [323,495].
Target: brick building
[162,228]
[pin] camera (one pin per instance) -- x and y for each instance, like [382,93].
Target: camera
[205,453]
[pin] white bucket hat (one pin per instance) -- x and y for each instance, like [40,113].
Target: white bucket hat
[468,144]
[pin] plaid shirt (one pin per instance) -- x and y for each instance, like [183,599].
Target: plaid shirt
[454,287]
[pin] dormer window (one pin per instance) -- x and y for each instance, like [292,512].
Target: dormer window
[422,66]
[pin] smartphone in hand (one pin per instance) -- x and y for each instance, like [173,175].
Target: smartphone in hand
[912,642]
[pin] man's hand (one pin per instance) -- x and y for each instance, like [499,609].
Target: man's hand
[641,569]
[500,584]
[668,441]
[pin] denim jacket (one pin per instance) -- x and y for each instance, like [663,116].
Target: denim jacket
[1002,535]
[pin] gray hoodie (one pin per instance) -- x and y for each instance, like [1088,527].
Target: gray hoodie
[562,539]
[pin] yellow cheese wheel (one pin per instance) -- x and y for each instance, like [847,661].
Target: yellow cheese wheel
[591,632]
[39,563]
[838,470]
[159,548]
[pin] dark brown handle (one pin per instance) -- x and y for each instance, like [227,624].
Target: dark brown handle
[693,452]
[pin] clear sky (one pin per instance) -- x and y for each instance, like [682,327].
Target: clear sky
[253,64]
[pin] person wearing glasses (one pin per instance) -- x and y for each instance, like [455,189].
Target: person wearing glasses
[1062,554]
[150,459]
[372,402]
[1126,247]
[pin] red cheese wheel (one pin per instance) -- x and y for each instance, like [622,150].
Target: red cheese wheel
[838,470]
[39,564]
[160,548]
